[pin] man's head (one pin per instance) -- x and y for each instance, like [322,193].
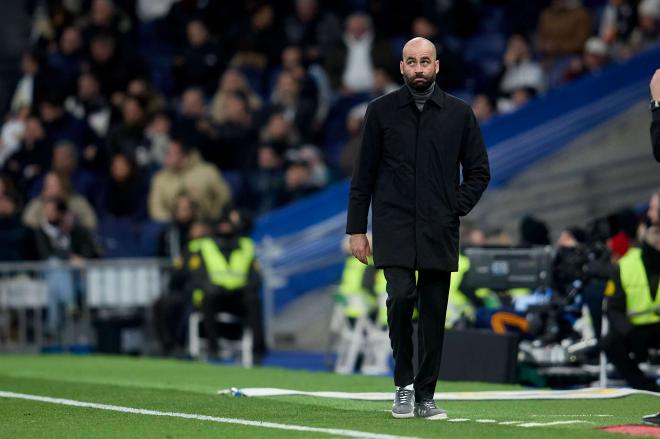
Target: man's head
[103,12]
[88,87]
[122,168]
[55,186]
[133,112]
[197,32]
[65,158]
[102,48]
[55,208]
[419,64]
[8,205]
[70,41]
[176,155]
[358,25]
[192,103]
[184,209]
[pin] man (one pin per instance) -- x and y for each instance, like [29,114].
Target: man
[633,307]
[655,112]
[414,141]
[185,171]
[654,419]
[227,279]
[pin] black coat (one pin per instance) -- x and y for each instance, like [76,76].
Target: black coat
[408,167]
[655,135]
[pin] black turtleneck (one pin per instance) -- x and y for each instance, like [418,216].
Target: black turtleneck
[420,97]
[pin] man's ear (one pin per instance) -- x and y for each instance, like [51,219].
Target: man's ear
[401,67]
[437,66]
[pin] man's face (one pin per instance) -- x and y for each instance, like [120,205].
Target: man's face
[419,66]
[654,209]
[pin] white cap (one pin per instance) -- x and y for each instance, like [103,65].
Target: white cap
[649,8]
[595,46]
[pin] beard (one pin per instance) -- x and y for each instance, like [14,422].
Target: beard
[419,82]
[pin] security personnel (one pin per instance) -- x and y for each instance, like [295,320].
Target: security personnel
[633,309]
[172,309]
[356,290]
[227,279]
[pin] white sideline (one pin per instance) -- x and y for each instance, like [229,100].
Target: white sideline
[116,408]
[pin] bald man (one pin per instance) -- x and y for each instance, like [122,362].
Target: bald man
[416,140]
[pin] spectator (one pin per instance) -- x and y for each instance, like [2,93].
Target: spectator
[595,57]
[65,164]
[185,171]
[33,156]
[173,240]
[124,195]
[383,82]
[483,107]
[563,29]
[158,134]
[298,109]
[647,32]
[519,70]
[533,232]
[352,147]
[265,185]
[128,138]
[113,67]
[59,238]
[66,62]
[236,137]
[279,131]
[61,125]
[12,132]
[260,44]
[192,125]
[232,81]
[358,38]
[32,84]
[617,21]
[89,105]
[15,238]
[313,30]
[105,18]
[56,186]
[452,70]
[201,62]
[298,181]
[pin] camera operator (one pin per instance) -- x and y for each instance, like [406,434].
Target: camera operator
[633,305]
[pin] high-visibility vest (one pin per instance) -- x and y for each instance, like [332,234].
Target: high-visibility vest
[458,304]
[641,309]
[380,288]
[230,274]
[358,300]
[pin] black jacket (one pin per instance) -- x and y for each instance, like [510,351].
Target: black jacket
[655,134]
[409,168]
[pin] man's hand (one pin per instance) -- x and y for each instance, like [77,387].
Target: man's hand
[655,86]
[360,247]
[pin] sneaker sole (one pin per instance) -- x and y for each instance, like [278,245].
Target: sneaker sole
[437,417]
[403,415]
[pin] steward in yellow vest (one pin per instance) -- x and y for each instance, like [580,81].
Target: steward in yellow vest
[633,310]
[227,279]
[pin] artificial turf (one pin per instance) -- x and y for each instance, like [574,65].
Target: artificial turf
[190,387]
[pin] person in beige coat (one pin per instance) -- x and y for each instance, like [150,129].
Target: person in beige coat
[186,172]
[57,186]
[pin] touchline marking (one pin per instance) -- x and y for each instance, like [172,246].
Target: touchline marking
[545,424]
[510,422]
[569,416]
[486,421]
[117,408]
[458,420]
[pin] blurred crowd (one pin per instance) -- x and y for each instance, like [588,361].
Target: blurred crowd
[124,107]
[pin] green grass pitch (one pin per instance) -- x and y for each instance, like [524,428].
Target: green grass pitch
[190,387]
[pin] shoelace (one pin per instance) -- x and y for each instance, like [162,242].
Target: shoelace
[404,396]
[429,404]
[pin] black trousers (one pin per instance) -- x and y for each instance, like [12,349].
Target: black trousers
[244,303]
[618,348]
[430,293]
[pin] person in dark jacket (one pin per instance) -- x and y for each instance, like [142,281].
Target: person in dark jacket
[655,111]
[15,238]
[415,140]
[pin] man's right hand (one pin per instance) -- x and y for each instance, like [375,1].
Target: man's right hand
[360,247]
[655,86]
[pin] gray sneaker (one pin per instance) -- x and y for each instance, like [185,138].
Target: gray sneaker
[403,403]
[428,410]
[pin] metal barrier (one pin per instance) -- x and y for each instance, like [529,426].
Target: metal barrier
[53,302]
